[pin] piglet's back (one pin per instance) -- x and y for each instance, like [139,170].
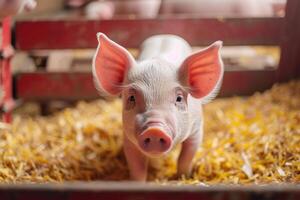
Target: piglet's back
[171,48]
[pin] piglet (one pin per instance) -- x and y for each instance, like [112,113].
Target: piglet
[162,94]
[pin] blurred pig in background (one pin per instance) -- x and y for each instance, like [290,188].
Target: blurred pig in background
[109,8]
[219,8]
[13,7]
[106,9]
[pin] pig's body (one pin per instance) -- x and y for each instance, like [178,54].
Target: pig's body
[170,48]
[162,93]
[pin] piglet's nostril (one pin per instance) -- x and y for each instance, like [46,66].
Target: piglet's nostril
[147,141]
[162,141]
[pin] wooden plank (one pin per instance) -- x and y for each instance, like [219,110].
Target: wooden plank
[289,65]
[65,34]
[43,86]
[244,83]
[133,186]
[182,195]
[134,190]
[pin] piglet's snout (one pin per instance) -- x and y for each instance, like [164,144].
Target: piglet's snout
[154,141]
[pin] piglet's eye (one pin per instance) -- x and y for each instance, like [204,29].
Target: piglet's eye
[180,103]
[179,99]
[130,104]
[132,98]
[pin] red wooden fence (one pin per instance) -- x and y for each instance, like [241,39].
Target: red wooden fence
[63,34]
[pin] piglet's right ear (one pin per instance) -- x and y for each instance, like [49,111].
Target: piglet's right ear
[110,65]
[202,72]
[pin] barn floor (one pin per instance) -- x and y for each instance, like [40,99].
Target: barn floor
[252,140]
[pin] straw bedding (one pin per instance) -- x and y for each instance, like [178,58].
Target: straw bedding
[252,140]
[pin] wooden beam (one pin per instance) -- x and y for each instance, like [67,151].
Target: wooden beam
[127,190]
[43,86]
[289,65]
[244,83]
[69,34]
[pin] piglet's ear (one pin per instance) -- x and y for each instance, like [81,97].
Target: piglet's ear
[202,72]
[110,65]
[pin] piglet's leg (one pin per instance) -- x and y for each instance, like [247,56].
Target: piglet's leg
[137,162]
[188,151]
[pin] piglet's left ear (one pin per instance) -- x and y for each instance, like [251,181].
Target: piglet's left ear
[202,72]
[110,65]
